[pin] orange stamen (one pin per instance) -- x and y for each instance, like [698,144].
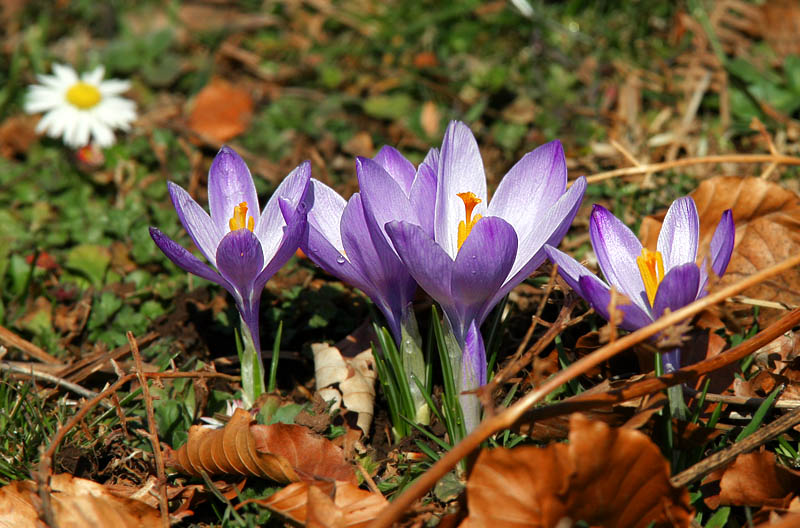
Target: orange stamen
[464,227]
[240,219]
[651,268]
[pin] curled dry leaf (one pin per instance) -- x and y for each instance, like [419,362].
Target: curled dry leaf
[755,479]
[76,503]
[767,219]
[221,110]
[605,476]
[279,452]
[326,504]
[348,381]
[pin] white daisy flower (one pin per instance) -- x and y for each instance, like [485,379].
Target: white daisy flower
[77,108]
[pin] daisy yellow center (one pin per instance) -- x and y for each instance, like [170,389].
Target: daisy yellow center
[240,220]
[83,95]
[651,268]
[465,226]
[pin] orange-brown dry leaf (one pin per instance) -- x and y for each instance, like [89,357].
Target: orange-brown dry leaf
[326,504]
[280,452]
[221,110]
[16,135]
[605,476]
[76,503]
[767,219]
[756,479]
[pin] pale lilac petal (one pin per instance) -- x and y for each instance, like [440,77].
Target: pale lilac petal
[229,184]
[240,260]
[319,248]
[677,241]
[531,187]
[722,243]
[326,214]
[460,171]
[423,197]
[598,295]
[671,360]
[570,269]
[426,261]
[617,248]
[183,259]
[270,224]
[293,235]
[678,288]
[473,375]
[383,199]
[195,220]
[482,265]
[398,167]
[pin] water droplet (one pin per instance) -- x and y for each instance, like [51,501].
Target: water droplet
[474,257]
[474,272]
[340,259]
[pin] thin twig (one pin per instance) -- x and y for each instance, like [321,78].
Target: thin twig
[683,162]
[74,387]
[508,417]
[721,458]
[161,472]
[13,340]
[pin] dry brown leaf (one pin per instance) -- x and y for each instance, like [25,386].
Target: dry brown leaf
[755,479]
[76,503]
[326,504]
[767,219]
[348,382]
[221,110]
[280,452]
[605,476]
[16,134]
[430,118]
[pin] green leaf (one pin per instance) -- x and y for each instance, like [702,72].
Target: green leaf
[89,260]
[388,106]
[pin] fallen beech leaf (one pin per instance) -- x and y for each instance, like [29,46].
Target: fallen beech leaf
[326,504]
[280,452]
[767,219]
[221,110]
[348,382]
[605,476]
[76,503]
[17,133]
[756,479]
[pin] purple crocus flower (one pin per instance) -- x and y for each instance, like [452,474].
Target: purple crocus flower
[246,246]
[478,251]
[350,242]
[653,281]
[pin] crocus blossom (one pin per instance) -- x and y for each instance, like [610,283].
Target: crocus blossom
[350,242]
[479,250]
[245,245]
[652,281]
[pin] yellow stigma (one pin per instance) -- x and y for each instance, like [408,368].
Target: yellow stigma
[83,95]
[464,227]
[239,218]
[651,267]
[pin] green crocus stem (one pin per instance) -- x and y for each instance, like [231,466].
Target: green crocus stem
[671,361]
[466,379]
[252,368]
[414,365]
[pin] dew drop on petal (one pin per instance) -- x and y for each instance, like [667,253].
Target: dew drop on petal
[340,259]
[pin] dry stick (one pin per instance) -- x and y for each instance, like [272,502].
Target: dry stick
[508,417]
[13,340]
[153,432]
[637,389]
[74,387]
[723,158]
[720,458]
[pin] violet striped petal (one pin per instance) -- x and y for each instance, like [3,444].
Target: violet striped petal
[229,184]
[722,243]
[426,261]
[570,269]
[678,288]
[678,239]
[183,259]
[195,220]
[383,199]
[398,167]
[598,295]
[240,260]
[296,189]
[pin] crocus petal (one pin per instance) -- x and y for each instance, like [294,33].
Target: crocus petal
[473,375]
[530,252]
[383,199]
[326,214]
[570,269]
[617,248]
[398,167]
[296,228]
[229,184]
[678,288]
[426,261]
[532,185]
[460,171]
[482,265]
[269,226]
[423,197]
[677,241]
[195,220]
[722,243]
[240,260]
[183,259]
[598,295]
